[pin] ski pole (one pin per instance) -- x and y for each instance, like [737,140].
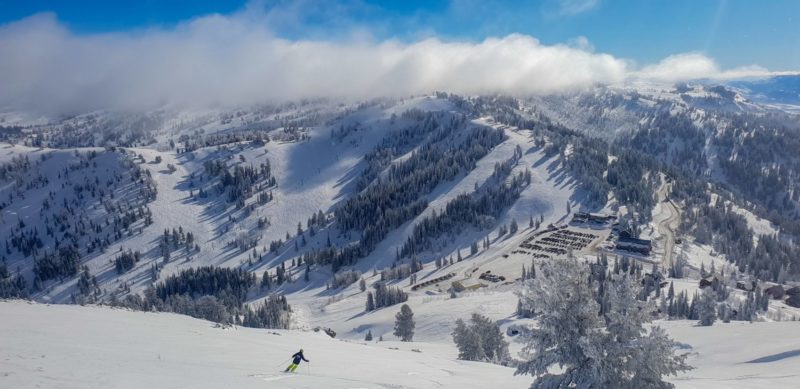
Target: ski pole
[283,363]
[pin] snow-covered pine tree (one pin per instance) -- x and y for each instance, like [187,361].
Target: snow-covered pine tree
[490,346]
[368,338]
[404,324]
[610,350]
[467,341]
[370,302]
[568,324]
[640,357]
[707,307]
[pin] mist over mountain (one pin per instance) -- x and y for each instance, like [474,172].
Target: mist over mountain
[236,60]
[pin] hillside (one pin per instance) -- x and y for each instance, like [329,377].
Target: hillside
[91,347]
[296,216]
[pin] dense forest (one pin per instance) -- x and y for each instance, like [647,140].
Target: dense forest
[397,195]
[212,293]
[479,209]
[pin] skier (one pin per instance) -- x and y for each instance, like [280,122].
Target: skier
[296,361]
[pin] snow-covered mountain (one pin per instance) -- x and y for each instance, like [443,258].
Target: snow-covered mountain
[783,90]
[438,201]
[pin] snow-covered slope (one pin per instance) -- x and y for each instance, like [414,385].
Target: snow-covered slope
[317,154]
[92,347]
[86,347]
[311,175]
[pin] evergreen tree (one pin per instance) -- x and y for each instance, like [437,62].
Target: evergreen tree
[404,324]
[567,324]
[707,307]
[608,350]
[468,342]
[481,340]
[370,302]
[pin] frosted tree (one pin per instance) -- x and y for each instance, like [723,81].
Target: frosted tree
[568,326]
[655,359]
[637,358]
[494,346]
[362,285]
[481,340]
[707,307]
[467,341]
[368,338]
[587,349]
[404,324]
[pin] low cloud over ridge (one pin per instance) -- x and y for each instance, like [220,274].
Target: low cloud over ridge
[234,60]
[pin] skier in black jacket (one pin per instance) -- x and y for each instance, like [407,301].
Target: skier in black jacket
[296,361]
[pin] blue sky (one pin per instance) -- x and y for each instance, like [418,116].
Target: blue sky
[733,32]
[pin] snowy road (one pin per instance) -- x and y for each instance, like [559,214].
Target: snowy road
[666,227]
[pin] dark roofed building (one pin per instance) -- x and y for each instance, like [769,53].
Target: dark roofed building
[601,217]
[636,245]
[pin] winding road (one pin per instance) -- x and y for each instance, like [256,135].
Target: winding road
[666,227]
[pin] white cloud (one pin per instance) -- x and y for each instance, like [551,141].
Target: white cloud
[688,66]
[232,60]
[236,60]
[574,7]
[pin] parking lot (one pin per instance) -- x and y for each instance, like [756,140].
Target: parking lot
[556,242]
